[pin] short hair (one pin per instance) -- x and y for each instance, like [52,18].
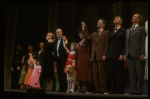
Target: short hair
[140,17]
[104,22]
[120,18]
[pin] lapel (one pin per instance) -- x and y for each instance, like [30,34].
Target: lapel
[134,31]
[99,36]
[128,32]
[114,34]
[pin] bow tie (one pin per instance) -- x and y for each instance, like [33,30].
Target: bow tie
[59,38]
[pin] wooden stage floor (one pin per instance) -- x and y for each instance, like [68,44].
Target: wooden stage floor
[23,94]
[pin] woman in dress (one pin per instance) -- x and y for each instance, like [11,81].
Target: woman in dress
[48,66]
[83,61]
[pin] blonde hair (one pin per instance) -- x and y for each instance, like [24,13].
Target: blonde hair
[50,33]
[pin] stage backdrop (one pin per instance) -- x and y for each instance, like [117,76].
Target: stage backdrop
[27,23]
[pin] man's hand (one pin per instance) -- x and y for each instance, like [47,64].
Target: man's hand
[104,58]
[83,25]
[121,58]
[142,57]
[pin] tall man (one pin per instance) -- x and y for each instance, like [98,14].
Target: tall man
[115,57]
[134,54]
[60,57]
[100,44]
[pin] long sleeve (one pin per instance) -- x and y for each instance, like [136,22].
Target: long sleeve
[107,43]
[86,34]
[123,49]
[143,41]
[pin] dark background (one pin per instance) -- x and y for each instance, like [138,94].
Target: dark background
[27,23]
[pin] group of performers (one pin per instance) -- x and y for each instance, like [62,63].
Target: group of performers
[115,47]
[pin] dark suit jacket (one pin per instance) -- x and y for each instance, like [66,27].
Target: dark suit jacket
[136,46]
[41,56]
[100,44]
[116,44]
[62,52]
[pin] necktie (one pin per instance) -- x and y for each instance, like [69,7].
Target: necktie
[115,30]
[132,29]
[58,46]
[99,32]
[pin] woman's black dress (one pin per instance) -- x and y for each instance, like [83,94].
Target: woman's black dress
[48,66]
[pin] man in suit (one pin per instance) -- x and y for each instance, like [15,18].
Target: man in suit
[115,57]
[16,67]
[41,56]
[100,44]
[134,54]
[60,57]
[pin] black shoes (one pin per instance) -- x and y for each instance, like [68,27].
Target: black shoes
[99,92]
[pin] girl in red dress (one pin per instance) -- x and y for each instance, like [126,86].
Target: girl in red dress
[71,55]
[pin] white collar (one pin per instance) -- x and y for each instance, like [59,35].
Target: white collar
[73,52]
[135,25]
[118,27]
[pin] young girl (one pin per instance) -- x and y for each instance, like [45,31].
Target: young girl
[71,55]
[30,70]
[23,76]
[34,79]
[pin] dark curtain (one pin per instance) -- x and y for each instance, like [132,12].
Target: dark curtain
[27,23]
[10,33]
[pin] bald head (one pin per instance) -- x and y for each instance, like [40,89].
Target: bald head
[59,33]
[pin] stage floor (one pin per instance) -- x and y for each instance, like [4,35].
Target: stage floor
[19,93]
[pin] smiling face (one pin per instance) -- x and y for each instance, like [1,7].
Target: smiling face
[59,33]
[49,36]
[100,23]
[72,48]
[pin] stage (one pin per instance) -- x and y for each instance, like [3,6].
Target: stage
[24,94]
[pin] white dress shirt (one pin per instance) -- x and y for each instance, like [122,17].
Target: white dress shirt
[58,43]
[117,29]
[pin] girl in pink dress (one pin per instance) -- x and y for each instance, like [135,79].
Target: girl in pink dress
[71,55]
[34,79]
